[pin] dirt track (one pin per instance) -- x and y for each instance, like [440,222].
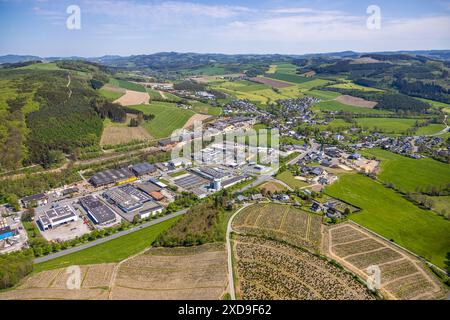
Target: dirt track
[195,117]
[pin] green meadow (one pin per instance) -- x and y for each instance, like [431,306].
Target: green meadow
[408,174]
[127,85]
[338,106]
[168,118]
[387,213]
[387,125]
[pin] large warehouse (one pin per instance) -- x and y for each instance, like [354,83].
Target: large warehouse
[57,216]
[127,198]
[98,212]
[111,176]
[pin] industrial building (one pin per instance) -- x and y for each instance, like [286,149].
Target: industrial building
[111,176]
[148,187]
[39,199]
[151,209]
[127,198]
[98,212]
[57,216]
[141,169]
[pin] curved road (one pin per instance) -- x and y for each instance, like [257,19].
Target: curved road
[108,238]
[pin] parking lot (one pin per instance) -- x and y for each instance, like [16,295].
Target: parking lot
[67,231]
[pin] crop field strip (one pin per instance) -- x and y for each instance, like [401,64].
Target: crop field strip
[268,269]
[282,222]
[52,284]
[402,276]
[173,273]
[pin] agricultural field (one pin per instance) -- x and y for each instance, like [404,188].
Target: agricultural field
[335,106]
[269,270]
[272,186]
[323,95]
[387,213]
[194,118]
[127,85]
[42,66]
[186,273]
[353,86]
[118,133]
[168,118]
[386,125]
[52,285]
[111,93]
[154,94]
[283,68]
[271,82]
[288,178]
[293,78]
[112,251]
[204,108]
[402,275]
[313,83]
[257,93]
[281,222]
[397,169]
[133,97]
[430,129]
[355,101]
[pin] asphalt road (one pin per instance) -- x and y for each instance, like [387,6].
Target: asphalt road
[106,239]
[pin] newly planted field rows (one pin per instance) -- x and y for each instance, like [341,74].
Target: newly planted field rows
[198,273]
[402,275]
[268,269]
[387,213]
[281,222]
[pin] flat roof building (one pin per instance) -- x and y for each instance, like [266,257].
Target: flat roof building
[151,209]
[39,199]
[110,176]
[127,198]
[143,168]
[98,212]
[57,216]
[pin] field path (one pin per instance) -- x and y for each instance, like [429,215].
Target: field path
[229,254]
[194,118]
[163,95]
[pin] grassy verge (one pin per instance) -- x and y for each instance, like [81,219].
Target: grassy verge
[112,251]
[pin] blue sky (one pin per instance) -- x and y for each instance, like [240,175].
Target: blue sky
[127,27]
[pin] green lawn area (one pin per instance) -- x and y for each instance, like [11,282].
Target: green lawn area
[338,106]
[168,118]
[112,251]
[127,85]
[386,212]
[435,104]
[322,94]
[177,174]
[288,178]
[408,174]
[387,125]
[313,83]
[154,94]
[430,129]
[110,95]
[204,108]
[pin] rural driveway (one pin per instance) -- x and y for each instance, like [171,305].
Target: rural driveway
[106,239]
[229,253]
